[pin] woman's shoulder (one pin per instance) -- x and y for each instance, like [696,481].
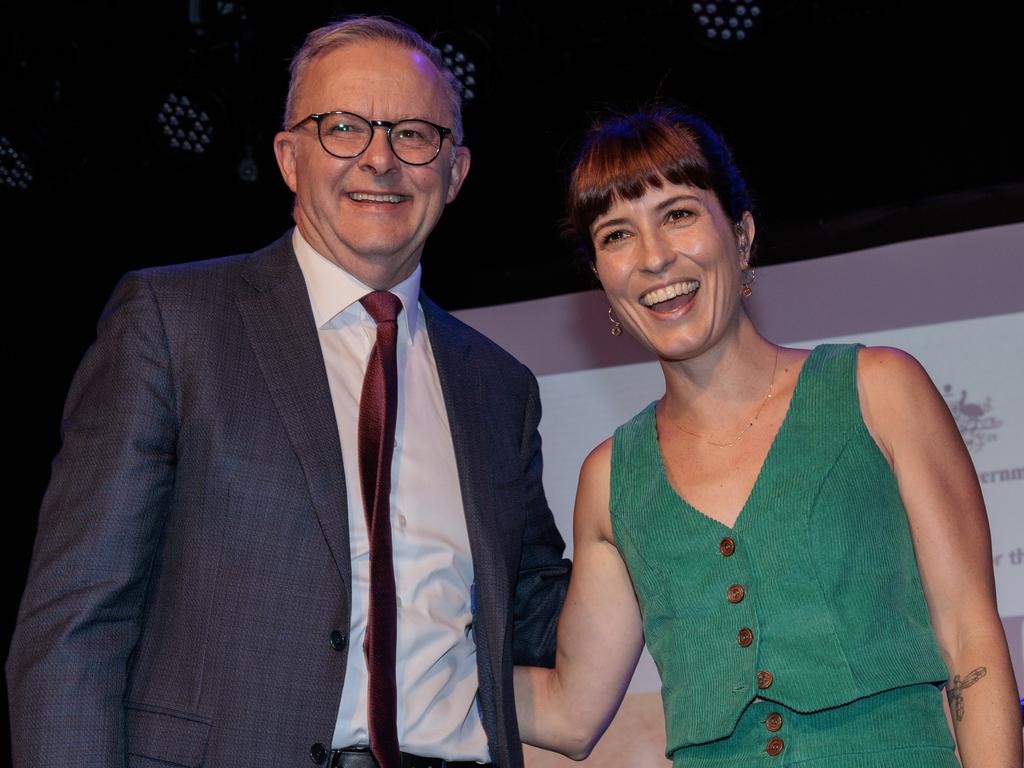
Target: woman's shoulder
[627,440]
[600,456]
[896,395]
[891,372]
[593,496]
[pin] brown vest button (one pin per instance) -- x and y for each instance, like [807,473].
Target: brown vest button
[745,637]
[735,593]
[773,722]
[775,746]
[764,679]
[727,546]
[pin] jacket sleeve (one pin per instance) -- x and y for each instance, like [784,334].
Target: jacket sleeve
[99,528]
[543,573]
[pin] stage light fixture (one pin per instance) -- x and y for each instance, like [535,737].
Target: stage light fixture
[464,69]
[727,20]
[14,170]
[185,125]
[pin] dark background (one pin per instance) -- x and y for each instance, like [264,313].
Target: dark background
[856,123]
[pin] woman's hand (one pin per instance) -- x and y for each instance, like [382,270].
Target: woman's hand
[914,428]
[600,636]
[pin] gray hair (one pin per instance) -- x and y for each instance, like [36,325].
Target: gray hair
[356,29]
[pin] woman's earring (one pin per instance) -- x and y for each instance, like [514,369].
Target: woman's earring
[749,275]
[616,325]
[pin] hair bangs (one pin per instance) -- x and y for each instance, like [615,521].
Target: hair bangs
[628,155]
[630,159]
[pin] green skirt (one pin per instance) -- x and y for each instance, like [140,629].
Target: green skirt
[901,728]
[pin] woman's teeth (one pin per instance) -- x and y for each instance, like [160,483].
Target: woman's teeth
[669,292]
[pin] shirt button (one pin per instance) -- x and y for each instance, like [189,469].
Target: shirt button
[764,679]
[735,593]
[398,602]
[402,521]
[337,640]
[745,637]
[727,546]
[773,722]
[775,746]
[318,753]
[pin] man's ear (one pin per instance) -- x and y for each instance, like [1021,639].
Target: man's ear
[285,149]
[460,167]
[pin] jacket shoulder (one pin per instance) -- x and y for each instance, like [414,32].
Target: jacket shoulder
[457,334]
[261,269]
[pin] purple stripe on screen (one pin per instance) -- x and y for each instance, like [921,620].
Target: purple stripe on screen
[920,282]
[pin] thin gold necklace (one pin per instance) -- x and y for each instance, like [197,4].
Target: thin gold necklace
[771,392]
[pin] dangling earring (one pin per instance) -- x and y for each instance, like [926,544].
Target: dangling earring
[749,276]
[616,325]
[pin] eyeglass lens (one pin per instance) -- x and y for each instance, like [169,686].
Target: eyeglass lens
[347,135]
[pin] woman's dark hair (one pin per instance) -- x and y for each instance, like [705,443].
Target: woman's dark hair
[625,155]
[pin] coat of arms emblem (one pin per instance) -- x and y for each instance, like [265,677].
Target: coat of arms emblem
[973,418]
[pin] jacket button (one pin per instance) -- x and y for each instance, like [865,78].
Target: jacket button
[318,753]
[764,679]
[773,722]
[735,593]
[337,640]
[775,746]
[727,546]
[744,637]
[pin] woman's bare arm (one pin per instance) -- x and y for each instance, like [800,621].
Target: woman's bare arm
[600,636]
[914,428]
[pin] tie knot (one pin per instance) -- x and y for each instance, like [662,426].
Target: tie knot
[382,306]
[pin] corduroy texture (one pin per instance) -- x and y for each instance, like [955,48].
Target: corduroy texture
[822,548]
[901,728]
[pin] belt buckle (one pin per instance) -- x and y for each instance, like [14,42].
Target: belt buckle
[352,757]
[418,761]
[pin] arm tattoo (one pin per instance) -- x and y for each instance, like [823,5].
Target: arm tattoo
[955,691]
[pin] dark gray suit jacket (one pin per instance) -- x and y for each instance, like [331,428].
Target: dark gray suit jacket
[192,559]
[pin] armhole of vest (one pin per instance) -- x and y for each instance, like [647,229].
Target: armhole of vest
[859,425]
[613,476]
[624,441]
[857,413]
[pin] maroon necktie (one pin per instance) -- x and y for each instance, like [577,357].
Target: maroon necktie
[378,406]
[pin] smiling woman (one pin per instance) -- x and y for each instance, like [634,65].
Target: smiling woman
[798,535]
[644,190]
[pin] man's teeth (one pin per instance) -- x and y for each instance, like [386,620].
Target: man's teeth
[669,292]
[366,197]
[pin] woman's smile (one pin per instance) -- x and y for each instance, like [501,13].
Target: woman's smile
[670,297]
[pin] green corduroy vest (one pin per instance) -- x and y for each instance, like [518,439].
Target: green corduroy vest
[831,607]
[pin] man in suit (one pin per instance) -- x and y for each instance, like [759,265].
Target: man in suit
[201,586]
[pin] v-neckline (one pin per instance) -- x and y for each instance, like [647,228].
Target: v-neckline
[754,489]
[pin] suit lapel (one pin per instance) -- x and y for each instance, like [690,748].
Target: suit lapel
[276,312]
[466,403]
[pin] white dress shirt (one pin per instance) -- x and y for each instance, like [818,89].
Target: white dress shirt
[436,654]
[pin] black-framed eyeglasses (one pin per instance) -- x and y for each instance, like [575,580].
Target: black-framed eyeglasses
[346,135]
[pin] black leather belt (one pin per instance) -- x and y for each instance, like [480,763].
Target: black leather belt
[356,757]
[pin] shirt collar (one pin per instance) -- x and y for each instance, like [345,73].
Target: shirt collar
[333,291]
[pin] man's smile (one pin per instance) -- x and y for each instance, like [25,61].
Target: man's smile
[368,197]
